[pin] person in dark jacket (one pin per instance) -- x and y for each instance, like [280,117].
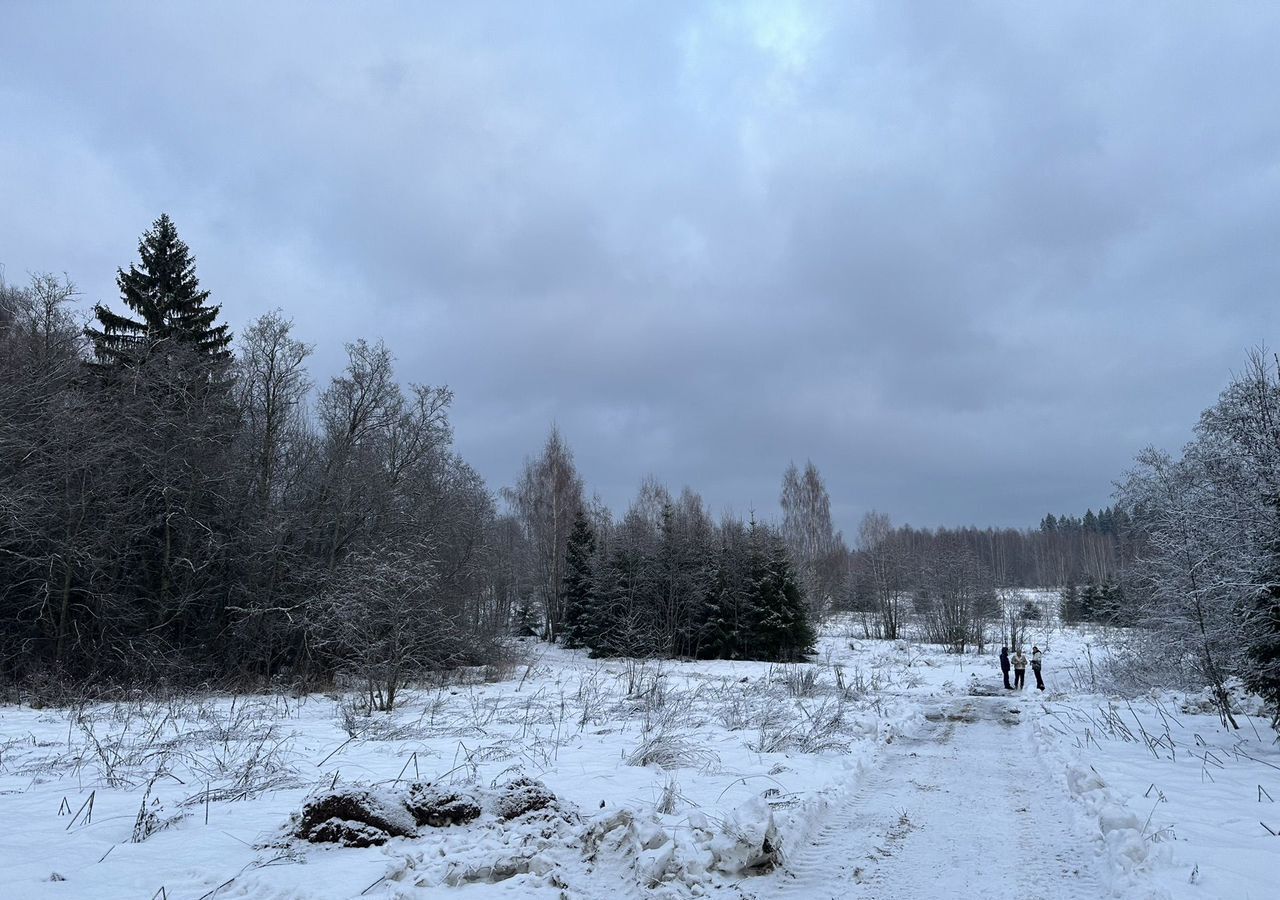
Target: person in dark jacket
[1004,667]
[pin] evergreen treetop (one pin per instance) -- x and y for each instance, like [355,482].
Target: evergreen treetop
[167,303]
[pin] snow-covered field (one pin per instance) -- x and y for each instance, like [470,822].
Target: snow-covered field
[880,770]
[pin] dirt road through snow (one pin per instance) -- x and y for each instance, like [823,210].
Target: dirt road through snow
[966,809]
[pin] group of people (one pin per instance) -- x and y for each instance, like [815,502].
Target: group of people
[1019,665]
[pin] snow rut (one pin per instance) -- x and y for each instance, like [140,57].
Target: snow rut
[826,862]
[965,808]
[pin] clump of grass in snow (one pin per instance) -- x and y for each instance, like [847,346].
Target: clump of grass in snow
[665,735]
[818,729]
[737,708]
[239,747]
[671,751]
[667,802]
[799,680]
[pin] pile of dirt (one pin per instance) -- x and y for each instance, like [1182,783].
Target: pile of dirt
[522,796]
[441,807]
[354,818]
[361,817]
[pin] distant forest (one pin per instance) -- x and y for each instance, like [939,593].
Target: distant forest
[178,506]
[1063,550]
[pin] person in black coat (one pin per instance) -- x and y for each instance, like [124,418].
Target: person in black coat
[1004,666]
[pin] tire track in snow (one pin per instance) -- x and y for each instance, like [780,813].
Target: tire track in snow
[827,860]
[964,809]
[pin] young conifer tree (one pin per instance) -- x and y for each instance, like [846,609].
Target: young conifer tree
[780,627]
[718,635]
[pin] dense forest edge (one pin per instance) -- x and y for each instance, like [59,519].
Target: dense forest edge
[183,507]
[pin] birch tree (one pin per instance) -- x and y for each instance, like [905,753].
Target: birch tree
[815,547]
[547,499]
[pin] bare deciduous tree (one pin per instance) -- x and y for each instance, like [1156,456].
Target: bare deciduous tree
[546,500]
[271,388]
[380,617]
[814,544]
[883,561]
[958,598]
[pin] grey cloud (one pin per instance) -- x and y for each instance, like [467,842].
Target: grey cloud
[967,257]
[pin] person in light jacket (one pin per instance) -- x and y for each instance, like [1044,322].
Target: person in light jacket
[1019,670]
[1004,667]
[1037,658]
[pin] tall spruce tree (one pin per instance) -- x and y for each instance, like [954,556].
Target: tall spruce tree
[579,583]
[167,384]
[167,304]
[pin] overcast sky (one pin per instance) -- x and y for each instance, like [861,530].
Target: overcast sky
[968,258]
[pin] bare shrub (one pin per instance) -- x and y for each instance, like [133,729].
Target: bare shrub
[382,614]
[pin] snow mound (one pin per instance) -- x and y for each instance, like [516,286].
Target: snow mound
[1083,780]
[1242,700]
[748,842]
[645,851]
[1119,826]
